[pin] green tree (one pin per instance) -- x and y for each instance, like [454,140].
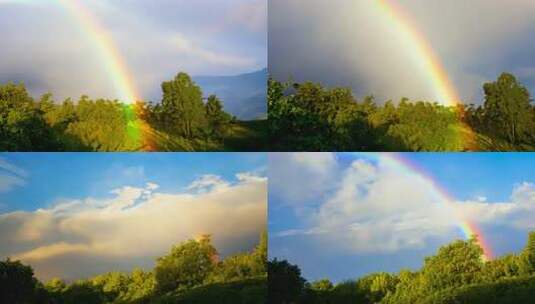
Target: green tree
[508,112]
[242,266]
[22,127]
[187,265]
[55,285]
[82,292]
[182,106]
[507,266]
[113,285]
[527,257]
[374,287]
[322,285]
[459,263]
[141,286]
[285,284]
[17,283]
[261,253]
[218,119]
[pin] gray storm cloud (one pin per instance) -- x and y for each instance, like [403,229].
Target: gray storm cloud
[349,43]
[44,46]
[80,238]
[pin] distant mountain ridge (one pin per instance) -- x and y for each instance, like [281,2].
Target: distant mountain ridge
[244,95]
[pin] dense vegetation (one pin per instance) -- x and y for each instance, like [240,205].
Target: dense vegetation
[190,273]
[309,117]
[182,121]
[457,274]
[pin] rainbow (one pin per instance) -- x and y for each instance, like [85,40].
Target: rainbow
[397,161]
[420,50]
[116,69]
[112,59]
[118,72]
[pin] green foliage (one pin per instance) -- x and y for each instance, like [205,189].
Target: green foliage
[182,106]
[373,288]
[322,285]
[508,112]
[248,291]
[182,276]
[507,266]
[424,127]
[517,290]
[457,274]
[181,122]
[456,264]
[527,258]
[309,117]
[81,292]
[22,126]
[218,120]
[242,266]
[186,266]
[314,118]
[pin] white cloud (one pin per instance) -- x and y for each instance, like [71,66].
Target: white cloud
[8,182]
[207,183]
[377,206]
[518,212]
[154,44]
[314,173]
[152,186]
[134,225]
[184,46]
[11,168]
[11,176]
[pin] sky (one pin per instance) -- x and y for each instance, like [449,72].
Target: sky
[352,44]
[341,216]
[46,46]
[74,215]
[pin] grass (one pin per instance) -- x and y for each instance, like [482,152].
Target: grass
[243,136]
[247,136]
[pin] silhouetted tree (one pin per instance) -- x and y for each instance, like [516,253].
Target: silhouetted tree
[285,284]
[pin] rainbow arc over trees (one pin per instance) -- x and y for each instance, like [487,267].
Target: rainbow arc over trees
[420,50]
[116,68]
[399,162]
[427,61]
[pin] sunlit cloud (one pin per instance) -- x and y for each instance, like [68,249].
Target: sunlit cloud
[372,207]
[134,225]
